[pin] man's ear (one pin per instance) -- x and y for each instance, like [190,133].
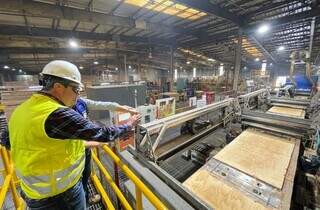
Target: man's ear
[58,86]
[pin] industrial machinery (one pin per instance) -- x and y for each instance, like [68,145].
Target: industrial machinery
[254,99]
[169,150]
[185,159]
[148,113]
[151,135]
[309,105]
[287,90]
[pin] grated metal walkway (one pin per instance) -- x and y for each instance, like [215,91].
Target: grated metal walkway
[93,191]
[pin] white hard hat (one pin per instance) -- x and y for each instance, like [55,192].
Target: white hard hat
[63,69]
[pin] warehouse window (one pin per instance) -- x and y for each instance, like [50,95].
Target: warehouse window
[281,80]
[263,68]
[221,70]
[175,74]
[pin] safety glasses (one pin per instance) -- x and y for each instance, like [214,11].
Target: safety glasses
[76,89]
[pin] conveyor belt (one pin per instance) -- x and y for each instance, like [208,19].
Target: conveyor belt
[290,101]
[180,168]
[277,119]
[277,123]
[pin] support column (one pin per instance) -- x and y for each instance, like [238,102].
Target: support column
[171,73]
[238,61]
[139,67]
[311,34]
[125,68]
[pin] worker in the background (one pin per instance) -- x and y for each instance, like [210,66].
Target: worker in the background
[46,138]
[84,106]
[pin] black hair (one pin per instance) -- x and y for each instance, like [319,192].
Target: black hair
[48,81]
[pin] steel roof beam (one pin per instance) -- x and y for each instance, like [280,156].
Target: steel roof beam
[207,7]
[46,32]
[249,29]
[45,10]
[212,9]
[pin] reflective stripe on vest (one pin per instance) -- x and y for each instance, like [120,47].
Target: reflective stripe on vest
[62,178]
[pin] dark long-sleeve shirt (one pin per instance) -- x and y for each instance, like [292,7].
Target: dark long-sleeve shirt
[65,123]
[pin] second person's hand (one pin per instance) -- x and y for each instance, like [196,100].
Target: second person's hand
[134,120]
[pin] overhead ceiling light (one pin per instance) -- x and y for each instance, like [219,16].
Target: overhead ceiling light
[281,48]
[20,70]
[257,59]
[210,59]
[188,62]
[13,69]
[6,67]
[129,67]
[73,43]
[95,62]
[116,68]
[263,29]
[80,67]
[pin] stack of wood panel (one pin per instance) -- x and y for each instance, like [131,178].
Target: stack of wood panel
[261,156]
[287,111]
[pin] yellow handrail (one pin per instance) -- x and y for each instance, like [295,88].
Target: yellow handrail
[5,188]
[9,181]
[138,183]
[113,185]
[107,202]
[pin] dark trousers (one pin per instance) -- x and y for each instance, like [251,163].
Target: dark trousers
[72,199]
[86,172]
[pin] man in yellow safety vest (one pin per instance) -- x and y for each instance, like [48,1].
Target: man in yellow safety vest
[46,137]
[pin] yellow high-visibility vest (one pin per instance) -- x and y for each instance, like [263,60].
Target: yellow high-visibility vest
[46,166]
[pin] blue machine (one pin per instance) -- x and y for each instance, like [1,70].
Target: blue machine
[303,84]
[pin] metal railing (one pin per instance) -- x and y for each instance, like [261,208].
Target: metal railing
[140,187]
[10,181]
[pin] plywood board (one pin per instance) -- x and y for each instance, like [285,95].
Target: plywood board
[260,155]
[218,194]
[286,111]
[257,149]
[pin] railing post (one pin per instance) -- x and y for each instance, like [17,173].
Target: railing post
[138,198]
